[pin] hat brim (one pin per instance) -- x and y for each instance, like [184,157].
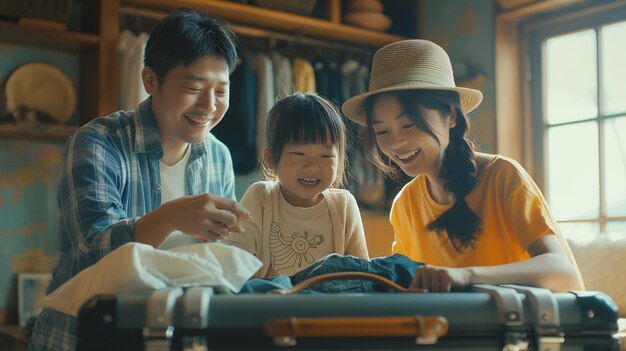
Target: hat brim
[354,108]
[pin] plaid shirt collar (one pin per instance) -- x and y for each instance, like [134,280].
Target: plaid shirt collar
[147,137]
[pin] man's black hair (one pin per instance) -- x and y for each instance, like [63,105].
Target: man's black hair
[184,36]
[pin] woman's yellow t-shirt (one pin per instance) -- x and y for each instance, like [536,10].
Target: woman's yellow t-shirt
[511,206]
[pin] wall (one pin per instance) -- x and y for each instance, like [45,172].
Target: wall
[28,174]
[465,29]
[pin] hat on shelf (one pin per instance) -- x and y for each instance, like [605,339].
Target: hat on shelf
[367,14]
[410,65]
[364,6]
[42,91]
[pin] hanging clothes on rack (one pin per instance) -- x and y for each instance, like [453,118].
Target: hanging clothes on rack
[237,130]
[130,50]
[322,76]
[303,76]
[283,84]
[265,96]
[367,183]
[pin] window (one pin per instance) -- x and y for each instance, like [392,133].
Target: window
[578,106]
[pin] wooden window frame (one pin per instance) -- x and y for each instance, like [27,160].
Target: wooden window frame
[515,30]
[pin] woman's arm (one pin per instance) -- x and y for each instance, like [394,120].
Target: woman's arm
[547,268]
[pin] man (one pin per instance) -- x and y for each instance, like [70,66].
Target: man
[120,171]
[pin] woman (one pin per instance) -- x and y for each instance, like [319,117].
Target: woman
[471,217]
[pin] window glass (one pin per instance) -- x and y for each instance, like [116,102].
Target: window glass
[615,166]
[573,175]
[616,227]
[579,230]
[613,67]
[571,79]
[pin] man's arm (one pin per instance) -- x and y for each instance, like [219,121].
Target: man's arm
[93,216]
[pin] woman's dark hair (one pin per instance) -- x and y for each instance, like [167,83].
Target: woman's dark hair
[458,168]
[184,36]
[304,118]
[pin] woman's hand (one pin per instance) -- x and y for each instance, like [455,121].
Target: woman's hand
[441,279]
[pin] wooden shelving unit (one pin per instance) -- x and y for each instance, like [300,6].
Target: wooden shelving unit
[11,32]
[44,132]
[259,17]
[96,44]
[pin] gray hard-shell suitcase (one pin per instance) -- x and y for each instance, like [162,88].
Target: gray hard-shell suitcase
[505,317]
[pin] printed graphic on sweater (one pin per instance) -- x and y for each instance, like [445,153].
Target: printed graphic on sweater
[291,251]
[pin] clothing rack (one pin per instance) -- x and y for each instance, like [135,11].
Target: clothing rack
[273,36]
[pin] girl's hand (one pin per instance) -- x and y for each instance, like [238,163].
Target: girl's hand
[441,279]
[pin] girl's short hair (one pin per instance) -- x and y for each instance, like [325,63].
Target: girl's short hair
[304,118]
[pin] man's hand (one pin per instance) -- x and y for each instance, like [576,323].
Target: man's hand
[205,216]
[441,279]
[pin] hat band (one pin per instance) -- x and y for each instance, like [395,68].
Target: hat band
[401,76]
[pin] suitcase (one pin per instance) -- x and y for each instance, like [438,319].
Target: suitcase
[504,317]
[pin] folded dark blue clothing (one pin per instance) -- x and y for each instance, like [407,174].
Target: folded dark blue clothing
[397,268]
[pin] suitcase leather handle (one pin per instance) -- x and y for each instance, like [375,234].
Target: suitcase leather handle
[345,276]
[426,329]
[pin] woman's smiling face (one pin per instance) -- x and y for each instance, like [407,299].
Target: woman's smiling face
[414,150]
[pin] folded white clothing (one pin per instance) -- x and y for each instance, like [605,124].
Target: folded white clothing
[140,268]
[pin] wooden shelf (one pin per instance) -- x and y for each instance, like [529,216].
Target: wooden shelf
[533,7]
[47,132]
[260,17]
[42,37]
[12,338]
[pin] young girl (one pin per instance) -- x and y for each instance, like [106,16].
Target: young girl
[471,217]
[298,214]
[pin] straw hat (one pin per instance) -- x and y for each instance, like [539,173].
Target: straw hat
[41,88]
[408,65]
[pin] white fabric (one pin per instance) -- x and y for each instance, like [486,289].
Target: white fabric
[130,52]
[125,43]
[601,259]
[140,268]
[283,84]
[262,200]
[621,333]
[173,187]
[265,96]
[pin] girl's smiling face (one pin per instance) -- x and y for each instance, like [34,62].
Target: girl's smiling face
[305,170]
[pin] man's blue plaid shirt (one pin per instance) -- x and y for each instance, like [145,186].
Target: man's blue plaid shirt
[109,179]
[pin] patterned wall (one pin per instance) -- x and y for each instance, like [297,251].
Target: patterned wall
[28,174]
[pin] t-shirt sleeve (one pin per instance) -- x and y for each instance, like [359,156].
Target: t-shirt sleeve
[527,209]
[229,177]
[250,238]
[356,244]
